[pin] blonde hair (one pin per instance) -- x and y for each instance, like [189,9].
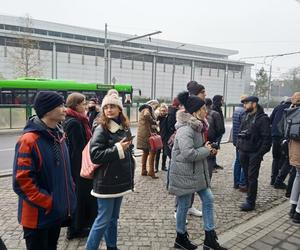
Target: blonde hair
[163,105]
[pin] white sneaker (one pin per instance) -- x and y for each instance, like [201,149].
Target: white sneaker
[195,212]
[186,221]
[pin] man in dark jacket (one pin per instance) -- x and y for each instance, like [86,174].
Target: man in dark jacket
[254,141]
[218,101]
[92,111]
[238,173]
[215,130]
[42,174]
[280,159]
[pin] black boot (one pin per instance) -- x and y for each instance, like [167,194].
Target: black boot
[292,211]
[182,242]
[296,218]
[112,248]
[210,241]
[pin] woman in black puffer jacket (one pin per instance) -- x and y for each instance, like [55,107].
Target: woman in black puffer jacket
[114,178]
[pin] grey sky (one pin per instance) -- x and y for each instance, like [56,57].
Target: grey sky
[254,27]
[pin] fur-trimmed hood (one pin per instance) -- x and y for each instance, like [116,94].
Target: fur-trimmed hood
[186,119]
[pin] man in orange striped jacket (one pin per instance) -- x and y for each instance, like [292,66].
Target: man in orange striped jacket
[42,175]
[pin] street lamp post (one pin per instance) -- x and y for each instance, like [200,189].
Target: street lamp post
[173,71]
[107,53]
[270,85]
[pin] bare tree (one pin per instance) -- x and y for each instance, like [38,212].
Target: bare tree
[27,59]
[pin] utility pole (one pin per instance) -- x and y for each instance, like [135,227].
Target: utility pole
[107,69]
[173,71]
[105,56]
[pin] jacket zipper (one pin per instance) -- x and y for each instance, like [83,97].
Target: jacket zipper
[67,189]
[205,174]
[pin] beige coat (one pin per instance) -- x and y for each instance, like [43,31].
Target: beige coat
[294,153]
[147,122]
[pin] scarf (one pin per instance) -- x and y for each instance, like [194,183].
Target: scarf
[204,130]
[83,119]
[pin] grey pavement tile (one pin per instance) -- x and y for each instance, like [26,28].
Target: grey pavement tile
[289,246]
[294,240]
[261,245]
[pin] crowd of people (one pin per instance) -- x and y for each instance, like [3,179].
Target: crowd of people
[48,161]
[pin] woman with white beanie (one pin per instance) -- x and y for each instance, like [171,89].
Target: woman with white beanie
[111,148]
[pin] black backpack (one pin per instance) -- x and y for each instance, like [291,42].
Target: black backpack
[292,123]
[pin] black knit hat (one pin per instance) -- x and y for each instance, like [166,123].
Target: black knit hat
[191,103]
[46,101]
[194,88]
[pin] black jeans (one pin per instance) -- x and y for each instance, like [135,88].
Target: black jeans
[164,158]
[279,160]
[251,164]
[2,245]
[37,239]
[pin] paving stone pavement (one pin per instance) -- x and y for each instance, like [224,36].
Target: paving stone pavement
[272,230]
[146,220]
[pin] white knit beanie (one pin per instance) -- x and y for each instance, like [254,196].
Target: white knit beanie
[112,98]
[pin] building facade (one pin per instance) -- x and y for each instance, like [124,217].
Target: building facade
[158,68]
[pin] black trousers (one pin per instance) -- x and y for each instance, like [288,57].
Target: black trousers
[164,157]
[279,159]
[251,164]
[2,245]
[37,239]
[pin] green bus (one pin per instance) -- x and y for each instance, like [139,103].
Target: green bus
[23,90]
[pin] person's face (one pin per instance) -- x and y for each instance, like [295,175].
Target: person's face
[163,111]
[91,104]
[202,94]
[111,111]
[58,114]
[201,113]
[249,106]
[81,107]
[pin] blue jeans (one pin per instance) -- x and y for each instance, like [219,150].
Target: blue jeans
[238,172]
[105,224]
[184,202]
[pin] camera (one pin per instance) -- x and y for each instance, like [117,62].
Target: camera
[214,145]
[244,134]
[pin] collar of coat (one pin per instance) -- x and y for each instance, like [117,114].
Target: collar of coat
[113,127]
[186,119]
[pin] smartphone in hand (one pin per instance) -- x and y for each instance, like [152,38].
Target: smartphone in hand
[130,138]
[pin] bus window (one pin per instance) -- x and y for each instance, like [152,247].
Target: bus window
[89,94]
[6,97]
[31,96]
[19,97]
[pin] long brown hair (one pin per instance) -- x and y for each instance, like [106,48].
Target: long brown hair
[104,120]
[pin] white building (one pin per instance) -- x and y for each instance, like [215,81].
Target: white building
[154,66]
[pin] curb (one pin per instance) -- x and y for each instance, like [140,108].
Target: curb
[12,131]
[5,173]
[242,228]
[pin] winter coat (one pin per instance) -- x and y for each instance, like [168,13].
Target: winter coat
[217,104]
[216,125]
[276,117]
[92,114]
[188,172]
[163,128]
[294,153]
[237,116]
[147,122]
[255,133]
[171,121]
[115,176]
[86,204]
[42,177]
